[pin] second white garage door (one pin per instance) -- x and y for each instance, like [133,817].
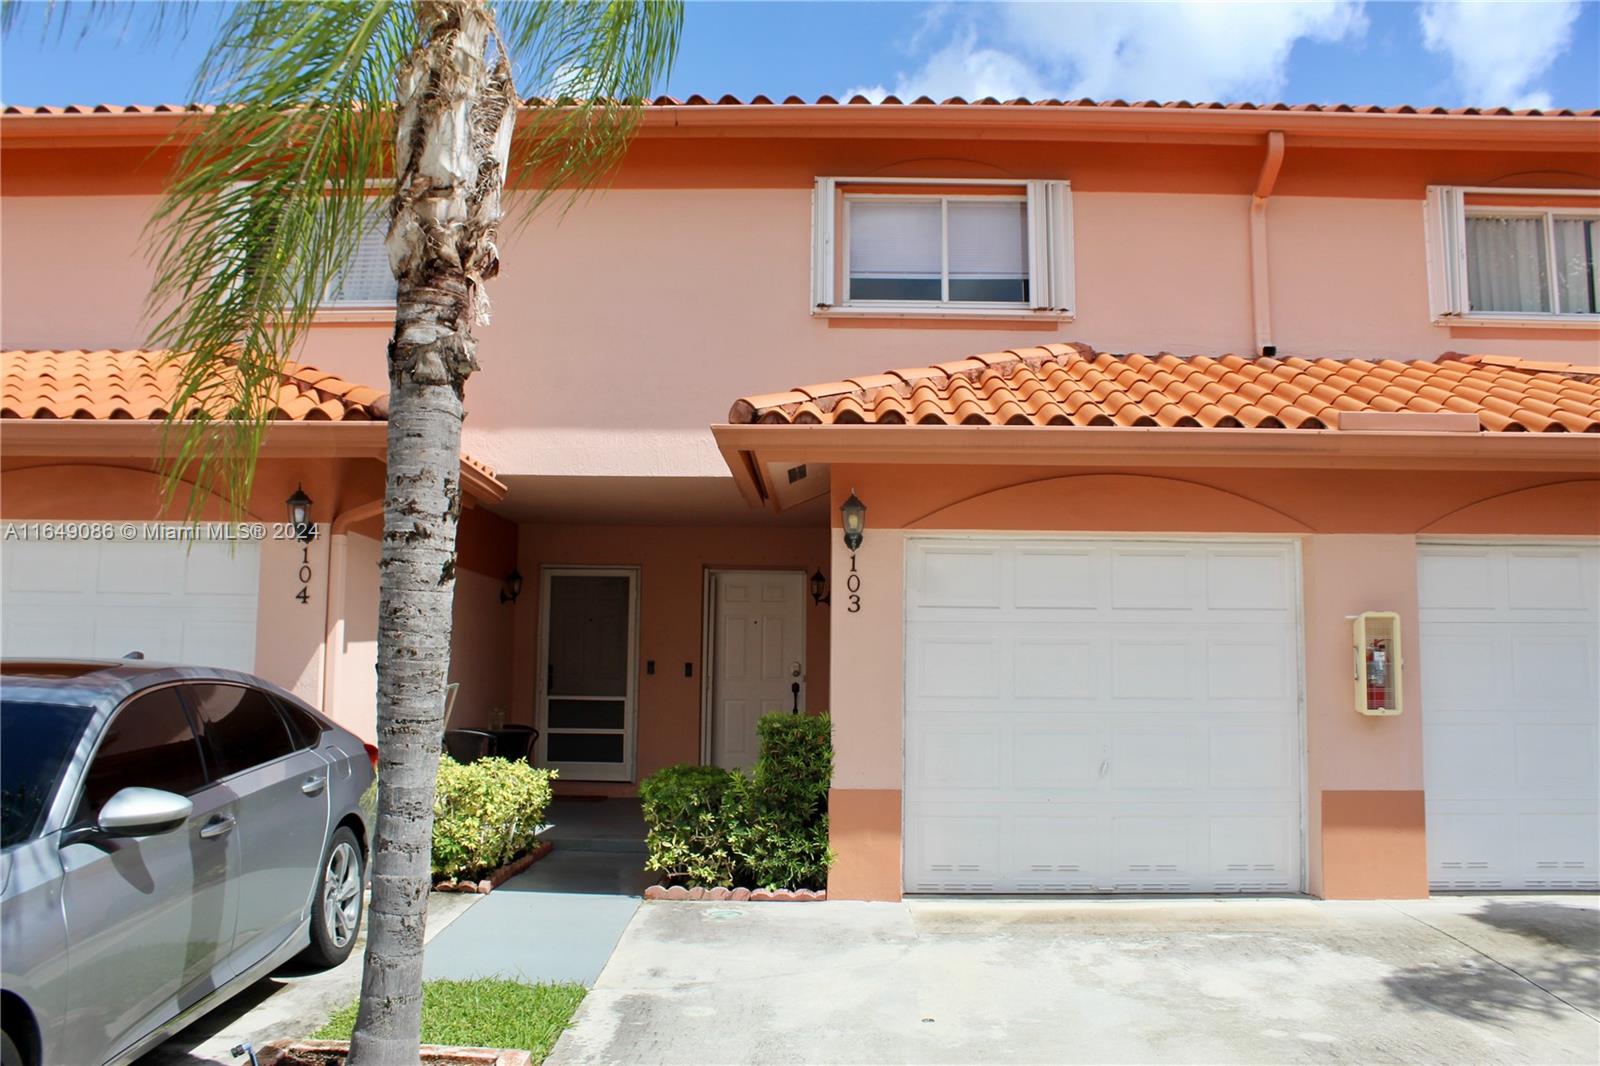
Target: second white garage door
[1511,715]
[1102,716]
[170,600]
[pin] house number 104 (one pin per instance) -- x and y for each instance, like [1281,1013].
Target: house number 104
[304,595]
[852,585]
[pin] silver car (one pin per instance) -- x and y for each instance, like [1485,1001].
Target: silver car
[171,834]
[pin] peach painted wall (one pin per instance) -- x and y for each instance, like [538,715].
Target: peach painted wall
[1358,532]
[715,286]
[672,561]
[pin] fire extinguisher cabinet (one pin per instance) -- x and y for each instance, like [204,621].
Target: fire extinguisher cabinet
[1377,663]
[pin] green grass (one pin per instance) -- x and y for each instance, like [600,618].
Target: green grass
[484,1013]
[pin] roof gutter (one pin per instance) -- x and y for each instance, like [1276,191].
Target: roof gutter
[749,448]
[940,121]
[1260,275]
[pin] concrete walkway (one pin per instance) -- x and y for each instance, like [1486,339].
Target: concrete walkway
[1457,980]
[559,919]
[291,1002]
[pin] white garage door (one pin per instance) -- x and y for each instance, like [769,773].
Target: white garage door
[1511,715]
[174,601]
[1101,716]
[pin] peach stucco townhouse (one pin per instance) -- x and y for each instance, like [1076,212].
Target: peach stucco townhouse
[1310,605]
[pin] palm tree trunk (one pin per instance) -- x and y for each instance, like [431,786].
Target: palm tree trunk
[454,117]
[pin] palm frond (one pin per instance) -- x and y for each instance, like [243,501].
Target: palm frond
[596,62]
[266,205]
[161,21]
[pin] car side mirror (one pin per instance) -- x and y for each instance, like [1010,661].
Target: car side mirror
[137,812]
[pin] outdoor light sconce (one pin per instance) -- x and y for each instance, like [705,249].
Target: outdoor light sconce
[853,513]
[1377,663]
[819,587]
[300,515]
[511,587]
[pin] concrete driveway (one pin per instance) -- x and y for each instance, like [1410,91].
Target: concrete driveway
[1458,980]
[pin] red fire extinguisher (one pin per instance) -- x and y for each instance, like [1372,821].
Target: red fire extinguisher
[1378,664]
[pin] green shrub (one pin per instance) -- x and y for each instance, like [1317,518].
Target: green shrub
[485,814]
[687,828]
[768,829]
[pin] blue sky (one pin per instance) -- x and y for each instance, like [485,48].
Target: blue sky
[1533,53]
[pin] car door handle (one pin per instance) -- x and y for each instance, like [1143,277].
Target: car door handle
[313,784]
[221,825]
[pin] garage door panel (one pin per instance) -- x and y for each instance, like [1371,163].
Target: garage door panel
[1152,579]
[958,668]
[959,577]
[1556,759]
[174,600]
[1057,579]
[1150,669]
[1148,740]
[1248,670]
[1056,669]
[1550,580]
[1247,581]
[1511,716]
[1056,758]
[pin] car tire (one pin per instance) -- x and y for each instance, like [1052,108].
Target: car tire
[338,906]
[10,1054]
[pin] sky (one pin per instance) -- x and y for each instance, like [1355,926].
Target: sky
[1532,53]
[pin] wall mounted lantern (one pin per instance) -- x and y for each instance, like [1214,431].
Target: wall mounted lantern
[300,515]
[819,587]
[511,587]
[854,515]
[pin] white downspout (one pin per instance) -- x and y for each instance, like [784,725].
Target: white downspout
[338,565]
[1260,282]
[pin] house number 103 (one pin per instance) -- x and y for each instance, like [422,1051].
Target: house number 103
[852,585]
[304,595]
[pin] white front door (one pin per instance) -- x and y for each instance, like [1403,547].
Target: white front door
[1510,662]
[757,654]
[177,601]
[1087,715]
[587,682]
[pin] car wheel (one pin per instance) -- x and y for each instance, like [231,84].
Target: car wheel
[10,1054]
[336,910]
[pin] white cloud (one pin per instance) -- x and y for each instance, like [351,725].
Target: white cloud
[1498,49]
[1168,51]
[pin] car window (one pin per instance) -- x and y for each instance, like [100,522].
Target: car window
[306,729]
[149,744]
[37,742]
[239,726]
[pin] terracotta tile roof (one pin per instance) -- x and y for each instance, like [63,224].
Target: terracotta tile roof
[760,100]
[1073,385]
[139,383]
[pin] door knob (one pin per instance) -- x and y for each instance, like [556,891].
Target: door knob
[794,669]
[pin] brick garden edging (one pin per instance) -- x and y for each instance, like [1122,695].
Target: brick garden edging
[511,869]
[737,895]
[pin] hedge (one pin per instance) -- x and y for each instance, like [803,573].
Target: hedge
[768,829]
[485,814]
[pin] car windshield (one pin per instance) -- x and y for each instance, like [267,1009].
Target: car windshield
[37,741]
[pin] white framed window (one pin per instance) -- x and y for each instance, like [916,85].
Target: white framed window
[366,281]
[908,247]
[1519,256]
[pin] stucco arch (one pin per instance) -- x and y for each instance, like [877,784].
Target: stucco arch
[97,492]
[1561,508]
[1134,503]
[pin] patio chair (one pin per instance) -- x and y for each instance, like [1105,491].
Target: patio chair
[516,742]
[468,745]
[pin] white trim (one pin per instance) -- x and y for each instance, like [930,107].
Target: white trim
[1445,216]
[1050,257]
[580,771]
[1297,555]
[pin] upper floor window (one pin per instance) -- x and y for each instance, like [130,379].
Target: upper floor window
[896,246]
[366,280]
[1523,255]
